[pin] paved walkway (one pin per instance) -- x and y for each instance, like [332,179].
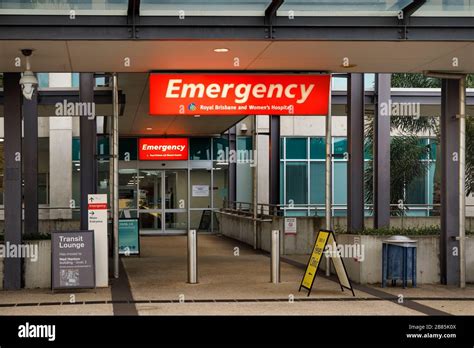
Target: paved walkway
[233,280]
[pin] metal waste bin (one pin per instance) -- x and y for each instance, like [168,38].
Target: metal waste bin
[399,260]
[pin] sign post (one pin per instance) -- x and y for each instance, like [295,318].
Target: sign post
[324,238]
[97,219]
[72,260]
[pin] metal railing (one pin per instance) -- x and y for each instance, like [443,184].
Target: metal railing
[268,210]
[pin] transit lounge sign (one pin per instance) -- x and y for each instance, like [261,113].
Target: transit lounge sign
[239,94]
[163,149]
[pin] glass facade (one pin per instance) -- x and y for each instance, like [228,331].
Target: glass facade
[303,178]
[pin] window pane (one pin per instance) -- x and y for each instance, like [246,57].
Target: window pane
[340,147]
[43,79]
[433,149]
[200,149]
[296,148]
[244,143]
[297,182]
[318,148]
[219,147]
[75,80]
[340,183]
[318,182]
[416,191]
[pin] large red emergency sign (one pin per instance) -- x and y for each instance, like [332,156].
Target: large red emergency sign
[163,149]
[239,94]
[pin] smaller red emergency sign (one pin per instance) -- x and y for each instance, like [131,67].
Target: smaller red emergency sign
[163,149]
[97,206]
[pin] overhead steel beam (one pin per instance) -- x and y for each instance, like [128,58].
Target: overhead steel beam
[335,28]
[270,15]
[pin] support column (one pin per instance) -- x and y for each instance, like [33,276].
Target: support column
[355,138]
[88,135]
[232,172]
[450,185]
[382,153]
[30,156]
[274,145]
[12,278]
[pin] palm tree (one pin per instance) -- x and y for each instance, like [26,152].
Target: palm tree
[406,151]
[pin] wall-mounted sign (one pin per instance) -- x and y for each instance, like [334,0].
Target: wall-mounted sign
[290,225]
[129,237]
[97,221]
[239,94]
[200,190]
[72,260]
[163,149]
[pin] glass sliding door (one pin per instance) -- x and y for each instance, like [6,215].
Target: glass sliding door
[163,201]
[150,200]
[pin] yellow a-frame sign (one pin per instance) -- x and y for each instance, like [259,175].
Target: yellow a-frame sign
[324,238]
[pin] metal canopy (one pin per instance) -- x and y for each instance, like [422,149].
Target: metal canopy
[369,20]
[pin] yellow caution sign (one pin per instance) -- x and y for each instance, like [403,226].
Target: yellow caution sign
[322,239]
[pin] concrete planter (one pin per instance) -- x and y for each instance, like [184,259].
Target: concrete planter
[428,267]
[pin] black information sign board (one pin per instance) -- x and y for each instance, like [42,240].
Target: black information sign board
[72,260]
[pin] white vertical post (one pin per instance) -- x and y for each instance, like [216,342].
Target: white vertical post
[114,159]
[192,257]
[275,257]
[328,201]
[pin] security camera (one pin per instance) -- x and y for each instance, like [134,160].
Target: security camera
[28,81]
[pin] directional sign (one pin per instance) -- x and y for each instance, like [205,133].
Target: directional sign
[97,213]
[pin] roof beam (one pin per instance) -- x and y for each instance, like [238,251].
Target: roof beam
[270,15]
[405,14]
[336,28]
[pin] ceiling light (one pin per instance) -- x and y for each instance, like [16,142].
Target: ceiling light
[221,50]
[149,128]
[197,115]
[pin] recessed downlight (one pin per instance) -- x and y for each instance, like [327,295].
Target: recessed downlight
[149,128]
[221,50]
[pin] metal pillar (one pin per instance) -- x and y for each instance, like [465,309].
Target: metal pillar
[192,257]
[382,153]
[12,279]
[255,180]
[452,181]
[274,163]
[328,174]
[355,138]
[115,180]
[232,172]
[30,156]
[88,136]
[275,257]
